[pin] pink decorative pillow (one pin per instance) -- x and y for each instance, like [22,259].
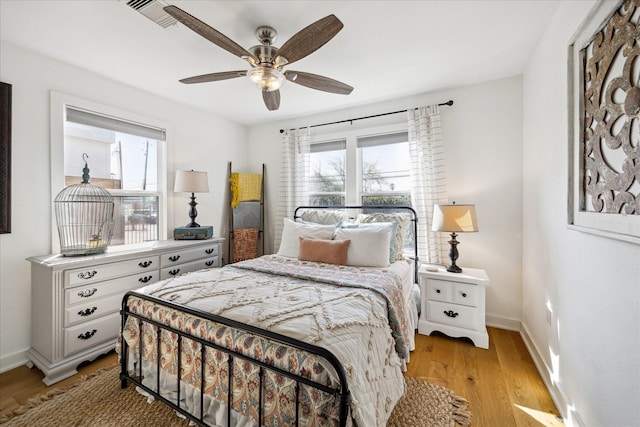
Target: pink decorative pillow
[328,251]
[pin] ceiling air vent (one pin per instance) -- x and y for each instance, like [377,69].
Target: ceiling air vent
[154,10]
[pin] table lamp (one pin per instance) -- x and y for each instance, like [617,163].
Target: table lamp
[192,182]
[454,219]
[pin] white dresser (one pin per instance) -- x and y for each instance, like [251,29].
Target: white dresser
[454,303]
[75,301]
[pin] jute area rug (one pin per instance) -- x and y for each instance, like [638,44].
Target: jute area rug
[98,401]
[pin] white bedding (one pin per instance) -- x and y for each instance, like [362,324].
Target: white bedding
[343,319]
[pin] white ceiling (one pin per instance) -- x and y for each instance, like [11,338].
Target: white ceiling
[386,50]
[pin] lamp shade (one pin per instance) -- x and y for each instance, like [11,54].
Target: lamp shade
[191,182]
[454,218]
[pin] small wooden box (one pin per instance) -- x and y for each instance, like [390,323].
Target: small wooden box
[193,233]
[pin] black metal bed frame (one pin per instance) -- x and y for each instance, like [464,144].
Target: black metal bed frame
[413,217]
[341,393]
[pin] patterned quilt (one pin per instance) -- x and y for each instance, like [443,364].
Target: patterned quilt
[356,313]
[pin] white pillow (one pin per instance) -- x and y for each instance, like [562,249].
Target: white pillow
[369,246]
[292,231]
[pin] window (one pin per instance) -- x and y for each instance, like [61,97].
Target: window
[361,169]
[385,169]
[125,156]
[328,173]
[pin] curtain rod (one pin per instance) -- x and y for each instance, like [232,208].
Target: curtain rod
[448,103]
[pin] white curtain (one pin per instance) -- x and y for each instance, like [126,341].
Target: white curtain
[293,189]
[428,178]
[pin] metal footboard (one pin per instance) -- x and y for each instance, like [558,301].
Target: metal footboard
[341,394]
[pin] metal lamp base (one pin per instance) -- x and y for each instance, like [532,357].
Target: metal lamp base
[453,255]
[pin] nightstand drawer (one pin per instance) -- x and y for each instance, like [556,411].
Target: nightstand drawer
[452,314]
[439,290]
[465,294]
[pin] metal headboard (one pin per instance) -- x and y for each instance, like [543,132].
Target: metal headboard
[382,209]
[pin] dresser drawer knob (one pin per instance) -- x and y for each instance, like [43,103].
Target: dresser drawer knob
[145,264]
[464,295]
[174,272]
[450,313]
[87,275]
[145,279]
[174,258]
[87,293]
[87,312]
[209,251]
[209,263]
[437,291]
[87,335]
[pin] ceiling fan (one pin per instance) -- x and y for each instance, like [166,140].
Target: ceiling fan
[267,60]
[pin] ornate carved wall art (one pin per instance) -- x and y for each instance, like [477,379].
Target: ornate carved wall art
[612,111]
[605,99]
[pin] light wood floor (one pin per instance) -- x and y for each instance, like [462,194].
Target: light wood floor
[501,384]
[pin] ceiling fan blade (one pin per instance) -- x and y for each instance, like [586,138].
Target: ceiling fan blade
[308,40]
[214,77]
[315,81]
[208,32]
[271,100]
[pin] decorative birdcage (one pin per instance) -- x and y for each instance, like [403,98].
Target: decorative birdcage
[84,213]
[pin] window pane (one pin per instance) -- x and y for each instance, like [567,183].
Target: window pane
[136,219]
[328,176]
[121,162]
[385,168]
[116,160]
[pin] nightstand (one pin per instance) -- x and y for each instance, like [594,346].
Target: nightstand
[454,303]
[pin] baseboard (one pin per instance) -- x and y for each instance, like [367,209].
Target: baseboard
[545,372]
[13,361]
[503,323]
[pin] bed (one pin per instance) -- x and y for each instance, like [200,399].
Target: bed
[286,339]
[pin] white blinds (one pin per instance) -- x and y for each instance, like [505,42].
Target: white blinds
[89,118]
[382,139]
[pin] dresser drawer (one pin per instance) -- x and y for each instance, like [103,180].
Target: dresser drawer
[458,315]
[90,310]
[180,257]
[178,270]
[438,290]
[98,273]
[91,333]
[87,293]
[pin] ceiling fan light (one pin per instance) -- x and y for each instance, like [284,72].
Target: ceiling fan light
[266,78]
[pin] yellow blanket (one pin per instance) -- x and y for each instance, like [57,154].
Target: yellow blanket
[245,187]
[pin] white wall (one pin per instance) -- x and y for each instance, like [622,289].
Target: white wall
[590,351]
[200,141]
[483,138]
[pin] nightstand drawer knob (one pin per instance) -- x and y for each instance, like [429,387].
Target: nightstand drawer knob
[437,291]
[450,313]
[464,295]
[209,263]
[209,251]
